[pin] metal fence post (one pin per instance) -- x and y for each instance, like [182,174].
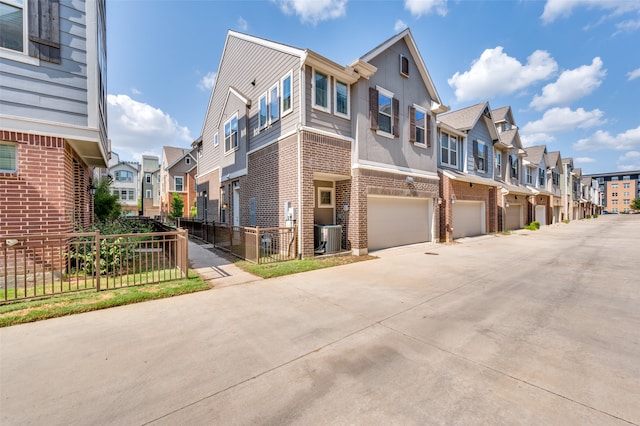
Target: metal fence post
[97,260]
[258,242]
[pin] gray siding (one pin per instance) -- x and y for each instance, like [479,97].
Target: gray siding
[323,120]
[234,160]
[242,63]
[51,92]
[480,133]
[408,91]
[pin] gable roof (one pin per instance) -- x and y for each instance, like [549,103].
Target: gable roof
[437,106]
[466,119]
[173,154]
[553,158]
[535,154]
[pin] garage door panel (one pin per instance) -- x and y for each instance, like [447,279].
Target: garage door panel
[513,217]
[541,215]
[395,221]
[468,219]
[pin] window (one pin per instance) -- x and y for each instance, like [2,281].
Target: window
[274,104]
[215,141]
[123,194]
[626,185]
[179,183]
[614,186]
[321,91]
[614,201]
[131,194]
[148,177]
[541,177]
[287,100]
[614,194]
[626,177]
[404,66]
[498,163]
[124,176]
[627,201]
[528,175]
[625,194]
[419,126]
[614,178]
[342,99]
[449,149]
[385,111]
[231,134]
[147,194]
[555,176]
[514,166]
[12,22]
[480,156]
[8,158]
[262,112]
[325,198]
[187,160]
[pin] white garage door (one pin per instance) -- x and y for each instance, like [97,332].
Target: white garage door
[513,217]
[468,219]
[396,221]
[541,215]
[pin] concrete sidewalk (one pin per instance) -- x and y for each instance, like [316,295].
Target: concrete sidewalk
[215,269]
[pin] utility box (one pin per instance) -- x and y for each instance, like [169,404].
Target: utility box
[328,239]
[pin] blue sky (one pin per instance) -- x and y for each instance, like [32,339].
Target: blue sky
[570,69]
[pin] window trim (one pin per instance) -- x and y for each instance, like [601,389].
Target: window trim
[542,177]
[498,163]
[187,160]
[321,205]
[480,149]
[229,121]
[175,183]
[528,175]
[335,100]
[20,55]
[402,73]
[216,140]
[15,157]
[262,124]
[314,104]
[148,194]
[283,111]
[147,178]
[457,155]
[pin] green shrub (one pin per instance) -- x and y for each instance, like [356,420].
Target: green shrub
[533,226]
[565,220]
[588,216]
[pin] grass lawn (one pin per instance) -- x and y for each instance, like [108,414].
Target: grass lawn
[278,269]
[84,301]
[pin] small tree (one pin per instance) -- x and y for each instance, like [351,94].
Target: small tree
[635,204]
[106,206]
[176,206]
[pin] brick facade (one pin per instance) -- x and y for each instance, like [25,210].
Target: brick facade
[49,192]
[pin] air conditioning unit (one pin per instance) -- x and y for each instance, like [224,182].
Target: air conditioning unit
[328,238]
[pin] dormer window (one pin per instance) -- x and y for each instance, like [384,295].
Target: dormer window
[404,66]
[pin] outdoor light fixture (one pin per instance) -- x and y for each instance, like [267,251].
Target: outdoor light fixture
[91,189]
[439,201]
[506,204]
[470,184]
[453,200]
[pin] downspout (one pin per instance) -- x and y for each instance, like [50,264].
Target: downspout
[303,104]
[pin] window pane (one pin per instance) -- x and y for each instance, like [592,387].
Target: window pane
[262,114]
[11,27]
[286,94]
[342,97]
[8,157]
[384,117]
[321,90]
[420,126]
[384,105]
[274,104]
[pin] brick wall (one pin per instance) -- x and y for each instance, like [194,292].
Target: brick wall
[49,192]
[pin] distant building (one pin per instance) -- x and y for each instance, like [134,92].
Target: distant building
[53,124]
[620,189]
[125,183]
[177,176]
[150,184]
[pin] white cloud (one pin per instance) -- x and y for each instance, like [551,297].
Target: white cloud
[634,74]
[313,11]
[602,140]
[585,160]
[417,8]
[555,9]
[629,161]
[496,73]
[399,26]
[571,85]
[135,91]
[207,82]
[243,25]
[534,139]
[136,128]
[558,120]
[628,26]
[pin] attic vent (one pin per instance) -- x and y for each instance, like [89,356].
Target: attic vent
[404,66]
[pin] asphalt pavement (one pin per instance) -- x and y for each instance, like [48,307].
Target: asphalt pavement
[536,327]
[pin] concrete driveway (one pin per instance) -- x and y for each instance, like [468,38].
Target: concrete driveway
[530,328]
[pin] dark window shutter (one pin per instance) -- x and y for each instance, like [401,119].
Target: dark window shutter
[412,124]
[475,155]
[395,104]
[428,129]
[373,108]
[44,30]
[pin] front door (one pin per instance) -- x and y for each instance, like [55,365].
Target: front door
[236,204]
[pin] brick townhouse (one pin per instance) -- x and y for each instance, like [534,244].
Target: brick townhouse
[292,137]
[53,128]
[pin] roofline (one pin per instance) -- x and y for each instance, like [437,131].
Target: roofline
[622,173]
